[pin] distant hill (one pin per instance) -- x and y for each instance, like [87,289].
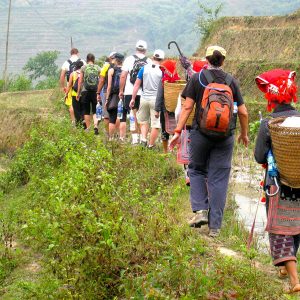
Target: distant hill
[257,44]
[101,26]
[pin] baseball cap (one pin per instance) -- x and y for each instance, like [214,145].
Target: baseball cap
[112,54]
[210,50]
[141,45]
[119,56]
[158,53]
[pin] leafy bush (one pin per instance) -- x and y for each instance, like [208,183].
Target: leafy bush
[20,83]
[48,83]
[89,211]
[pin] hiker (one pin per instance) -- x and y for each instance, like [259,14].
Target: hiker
[67,68]
[280,90]
[211,147]
[112,100]
[73,86]
[150,75]
[130,69]
[87,90]
[170,75]
[103,85]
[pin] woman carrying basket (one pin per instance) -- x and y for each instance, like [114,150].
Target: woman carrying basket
[284,230]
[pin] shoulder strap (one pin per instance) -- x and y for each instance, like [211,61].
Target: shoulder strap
[135,57]
[69,61]
[209,77]
[228,79]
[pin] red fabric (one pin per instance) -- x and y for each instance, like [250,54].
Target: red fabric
[169,71]
[198,65]
[278,85]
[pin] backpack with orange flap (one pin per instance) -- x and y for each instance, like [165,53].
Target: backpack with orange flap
[217,113]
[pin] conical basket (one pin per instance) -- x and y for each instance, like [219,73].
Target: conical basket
[286,149]
[171,92]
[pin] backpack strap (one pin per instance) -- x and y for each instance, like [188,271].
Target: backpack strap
[228,79]
[135,57]
[69,61]
[208,76]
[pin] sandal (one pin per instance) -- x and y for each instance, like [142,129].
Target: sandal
[282,273]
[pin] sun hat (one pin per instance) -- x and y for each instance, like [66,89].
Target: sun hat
[211,49]
[159,54]
[141,45]
[112,54]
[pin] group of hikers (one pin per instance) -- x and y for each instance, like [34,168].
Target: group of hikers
[215,98]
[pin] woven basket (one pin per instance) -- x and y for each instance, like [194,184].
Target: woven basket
[286,148]
[190,119]
[171,93]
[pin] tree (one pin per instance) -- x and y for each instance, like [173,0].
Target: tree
[42,65]
[206,17]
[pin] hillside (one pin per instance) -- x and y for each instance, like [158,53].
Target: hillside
[257,44]
[103,26]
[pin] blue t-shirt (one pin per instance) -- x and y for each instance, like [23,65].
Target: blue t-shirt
[141,73]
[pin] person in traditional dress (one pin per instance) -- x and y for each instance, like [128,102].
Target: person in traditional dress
[280,91]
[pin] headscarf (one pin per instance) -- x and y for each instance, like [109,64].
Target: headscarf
[169,71]
[198,65]
[279,86]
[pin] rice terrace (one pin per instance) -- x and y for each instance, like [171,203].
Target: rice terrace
[149,149]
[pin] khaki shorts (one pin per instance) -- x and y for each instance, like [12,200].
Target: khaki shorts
[146,113]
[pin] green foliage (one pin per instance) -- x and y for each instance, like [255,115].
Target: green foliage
[19,83]
[48,83]
[206,18]
[42,65]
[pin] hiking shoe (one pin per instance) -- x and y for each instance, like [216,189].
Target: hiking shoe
[96,131]
[200,218]
[214,233]
[151,147]
[144,144]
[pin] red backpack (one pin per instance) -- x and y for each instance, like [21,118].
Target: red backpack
[216,115]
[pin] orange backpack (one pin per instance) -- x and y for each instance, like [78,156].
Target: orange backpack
[216,116]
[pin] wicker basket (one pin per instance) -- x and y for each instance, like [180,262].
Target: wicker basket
[286,148]
[190,119]
[171,93]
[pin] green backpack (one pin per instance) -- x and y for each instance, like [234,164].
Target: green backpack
[91,77]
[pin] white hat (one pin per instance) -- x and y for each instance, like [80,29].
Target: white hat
[160,54]
[141,45]
[112,54]
[210,50]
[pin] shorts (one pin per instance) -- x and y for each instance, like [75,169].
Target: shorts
[89,102]
[78,109]
[68,100]
[113,114]
[127,99]
[146,113]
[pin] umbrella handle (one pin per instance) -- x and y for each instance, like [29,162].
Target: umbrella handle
[174,42]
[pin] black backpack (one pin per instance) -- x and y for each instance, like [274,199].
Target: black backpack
[75,86]
[138,64]
[115,86]
[72,66]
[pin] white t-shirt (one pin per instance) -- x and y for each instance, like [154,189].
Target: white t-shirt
[66,64]
[128,66]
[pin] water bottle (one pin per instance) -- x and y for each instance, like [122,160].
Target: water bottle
[272,167]
[120,109]
[131,121]
[99,111]
[235,108]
